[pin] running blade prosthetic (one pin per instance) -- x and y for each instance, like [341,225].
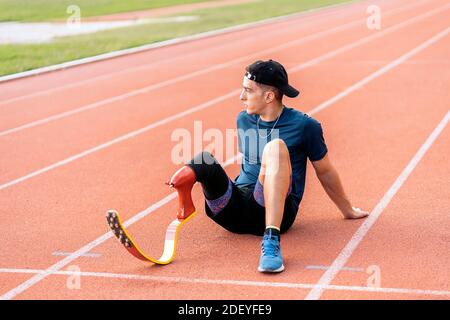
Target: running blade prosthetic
[183,181]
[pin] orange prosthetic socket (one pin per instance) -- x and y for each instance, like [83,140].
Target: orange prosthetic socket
[183,181]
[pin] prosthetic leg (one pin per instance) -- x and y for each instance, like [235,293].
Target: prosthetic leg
[183,181]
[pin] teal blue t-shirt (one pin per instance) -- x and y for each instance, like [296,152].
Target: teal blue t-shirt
[302,134]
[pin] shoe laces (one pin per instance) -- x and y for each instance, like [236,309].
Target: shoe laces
[270,246]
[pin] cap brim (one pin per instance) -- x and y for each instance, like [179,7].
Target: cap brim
[289,91]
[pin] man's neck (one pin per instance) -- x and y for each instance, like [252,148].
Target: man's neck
[272,114]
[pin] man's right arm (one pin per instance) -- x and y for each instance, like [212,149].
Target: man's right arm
[329,178]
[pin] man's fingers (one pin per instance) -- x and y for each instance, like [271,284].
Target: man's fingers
[359,213]
[360,210]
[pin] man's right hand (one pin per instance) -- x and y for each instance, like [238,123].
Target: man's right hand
[356,213]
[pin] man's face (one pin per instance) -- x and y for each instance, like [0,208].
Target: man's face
[252,97]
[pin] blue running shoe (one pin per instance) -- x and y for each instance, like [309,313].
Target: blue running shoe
[271,259]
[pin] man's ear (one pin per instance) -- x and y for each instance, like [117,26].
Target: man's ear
[269,96]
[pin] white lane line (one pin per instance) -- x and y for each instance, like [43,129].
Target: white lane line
[37,278]
[181,40]
[88,255]
[263,284]
[351,246]
[235,92]
[327,267]
[230,63]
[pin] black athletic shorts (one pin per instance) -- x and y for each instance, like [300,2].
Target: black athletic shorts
[244,215]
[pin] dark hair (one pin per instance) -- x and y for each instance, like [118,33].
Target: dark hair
[265,87]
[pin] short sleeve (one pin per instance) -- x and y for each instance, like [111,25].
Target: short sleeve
[313,141]
[240,126]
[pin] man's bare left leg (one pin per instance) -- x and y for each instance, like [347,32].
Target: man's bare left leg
[275,176]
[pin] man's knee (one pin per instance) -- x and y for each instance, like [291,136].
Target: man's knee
[207,167]
[204,157]
[276,150]
[275,157]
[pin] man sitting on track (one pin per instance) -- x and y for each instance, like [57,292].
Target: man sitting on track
[264,198]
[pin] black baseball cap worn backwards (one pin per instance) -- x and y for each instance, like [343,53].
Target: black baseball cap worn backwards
[271,73]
